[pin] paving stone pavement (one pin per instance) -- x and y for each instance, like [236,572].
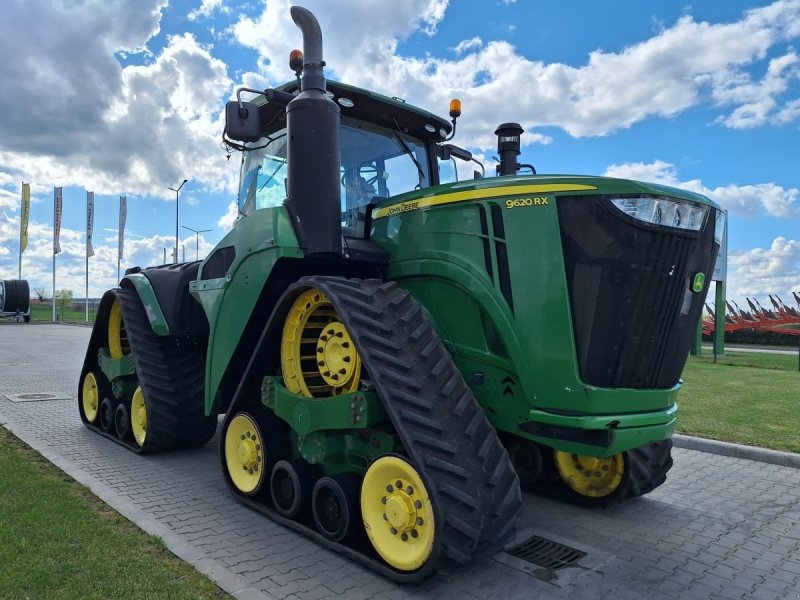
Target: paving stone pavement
[720,528]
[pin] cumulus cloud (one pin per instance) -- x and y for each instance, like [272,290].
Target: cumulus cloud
[746,200]
[75,116]
[762,271]
[681,66]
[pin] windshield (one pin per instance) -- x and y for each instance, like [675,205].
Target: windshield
[376,163]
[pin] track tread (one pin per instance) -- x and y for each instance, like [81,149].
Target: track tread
[466,469]
[171,373]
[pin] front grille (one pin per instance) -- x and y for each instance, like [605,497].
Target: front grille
[633,312]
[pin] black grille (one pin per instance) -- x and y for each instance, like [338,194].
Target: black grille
[546,553]
[629,284]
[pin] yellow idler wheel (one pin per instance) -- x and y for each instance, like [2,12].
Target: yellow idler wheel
[244,453]
[139,417]
[318,356]
[90,397]
[117,336]
[397,513]
[590,476]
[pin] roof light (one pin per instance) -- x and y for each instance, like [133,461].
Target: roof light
[455,108]
[296,61]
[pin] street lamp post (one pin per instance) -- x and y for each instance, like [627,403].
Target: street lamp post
[177,197]
[197,233]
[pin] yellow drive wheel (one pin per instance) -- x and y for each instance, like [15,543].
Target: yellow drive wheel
[588,475]
[397,513]
[118,345]
[138,417]
[318,357]
[244,453]
[90,397]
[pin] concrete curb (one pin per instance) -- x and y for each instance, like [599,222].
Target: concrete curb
[764,455]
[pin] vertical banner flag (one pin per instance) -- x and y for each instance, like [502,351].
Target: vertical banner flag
[123,214]
[89,223]
[26,213]
[57,221]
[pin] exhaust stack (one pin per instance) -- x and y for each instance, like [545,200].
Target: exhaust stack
[312,122]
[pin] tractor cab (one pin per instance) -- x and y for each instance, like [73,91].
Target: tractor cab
[387,148]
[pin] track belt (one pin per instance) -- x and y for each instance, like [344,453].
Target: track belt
[444,432]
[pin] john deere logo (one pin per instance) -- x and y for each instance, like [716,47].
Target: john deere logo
[698,282]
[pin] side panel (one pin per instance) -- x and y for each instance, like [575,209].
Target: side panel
[231,297]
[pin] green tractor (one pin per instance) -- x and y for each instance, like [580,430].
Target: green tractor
[395,351]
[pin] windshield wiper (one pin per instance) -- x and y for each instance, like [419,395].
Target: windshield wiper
[408,150]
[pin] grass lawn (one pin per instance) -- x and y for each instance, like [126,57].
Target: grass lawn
[751,399]
[43,311]
[57,540]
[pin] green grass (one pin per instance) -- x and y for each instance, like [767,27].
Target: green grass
[57,540]
[43,311]
[745,398]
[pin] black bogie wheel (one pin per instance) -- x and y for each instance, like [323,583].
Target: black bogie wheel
[334,504]
[291,484]
[107,415]
[122,422]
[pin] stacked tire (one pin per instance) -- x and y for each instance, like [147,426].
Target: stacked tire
[15,297]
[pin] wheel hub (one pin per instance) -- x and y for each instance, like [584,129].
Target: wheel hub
[590,476]
[400,511]
[248,453]
[336,353]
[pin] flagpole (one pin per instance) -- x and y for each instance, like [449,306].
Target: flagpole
[54,254]
[21,211]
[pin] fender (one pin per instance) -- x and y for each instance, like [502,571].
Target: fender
[164,292]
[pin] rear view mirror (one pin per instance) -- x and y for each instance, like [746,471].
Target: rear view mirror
[242,122]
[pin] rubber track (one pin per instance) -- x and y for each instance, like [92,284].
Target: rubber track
[443,429]
[171,373]
[646,468]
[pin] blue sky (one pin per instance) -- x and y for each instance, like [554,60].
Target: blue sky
[125,98]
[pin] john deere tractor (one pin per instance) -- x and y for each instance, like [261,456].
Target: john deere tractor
[393,350]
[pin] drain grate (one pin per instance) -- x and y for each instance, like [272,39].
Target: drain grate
[546,553]
[36,397]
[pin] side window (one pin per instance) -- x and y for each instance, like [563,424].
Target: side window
[447,171]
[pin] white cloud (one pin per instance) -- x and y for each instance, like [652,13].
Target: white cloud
[227,220]
[763,271]
[757,102]
[465,45]
[207,9]
[679,67]
[745,200]
[99,125]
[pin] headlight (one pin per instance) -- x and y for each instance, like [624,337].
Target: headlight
[681,214]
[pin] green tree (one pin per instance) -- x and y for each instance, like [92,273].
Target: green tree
[63,300]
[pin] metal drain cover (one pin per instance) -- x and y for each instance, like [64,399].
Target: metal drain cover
[36,397]
[552,559]
[546,553]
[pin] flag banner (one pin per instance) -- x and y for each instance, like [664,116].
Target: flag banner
[123,215]
[57,221]
[26,213]
[89,223]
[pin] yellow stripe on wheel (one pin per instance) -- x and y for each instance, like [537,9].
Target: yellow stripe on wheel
[90,397]
[139,417]
[244,453]
[397,513]
[117,336]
